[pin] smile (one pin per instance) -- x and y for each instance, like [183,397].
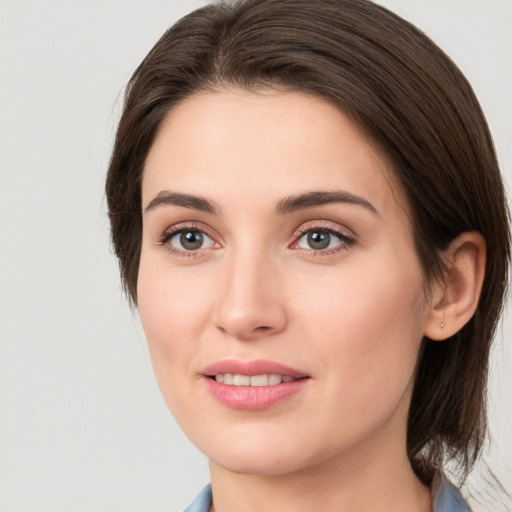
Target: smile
[252,380]
[253,385]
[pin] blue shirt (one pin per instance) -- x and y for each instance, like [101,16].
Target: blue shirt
[446,499]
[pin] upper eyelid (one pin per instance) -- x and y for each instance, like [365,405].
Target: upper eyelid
[324,225]
[169,232]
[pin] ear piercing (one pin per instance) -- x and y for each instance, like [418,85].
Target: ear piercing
[442,323]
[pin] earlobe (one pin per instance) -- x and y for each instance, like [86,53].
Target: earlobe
[457,297]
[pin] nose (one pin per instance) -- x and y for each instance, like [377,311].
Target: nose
[251,303]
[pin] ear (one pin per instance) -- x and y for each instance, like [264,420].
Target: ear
[454,301]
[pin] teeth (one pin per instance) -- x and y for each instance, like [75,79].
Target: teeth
[274,379]
[259,380]
[228,379]
[242,380]
[253,380]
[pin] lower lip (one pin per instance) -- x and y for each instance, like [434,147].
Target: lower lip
[254,398]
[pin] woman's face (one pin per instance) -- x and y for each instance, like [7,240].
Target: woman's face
[277,256]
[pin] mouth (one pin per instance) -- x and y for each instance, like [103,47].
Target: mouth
[253,385]
[271,379]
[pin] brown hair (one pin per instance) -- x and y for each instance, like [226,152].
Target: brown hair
[415,105]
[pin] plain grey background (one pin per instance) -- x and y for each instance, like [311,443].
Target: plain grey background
[82,424]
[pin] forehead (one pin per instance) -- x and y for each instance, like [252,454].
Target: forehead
[240,145]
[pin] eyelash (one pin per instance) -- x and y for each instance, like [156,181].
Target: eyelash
[346,241]
[168,235]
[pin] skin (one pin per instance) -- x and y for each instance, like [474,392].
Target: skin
[351,316]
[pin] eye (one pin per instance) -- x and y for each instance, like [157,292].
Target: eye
[322,239]
[189,240]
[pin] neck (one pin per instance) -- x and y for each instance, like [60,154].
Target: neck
[332,489]
[374,476]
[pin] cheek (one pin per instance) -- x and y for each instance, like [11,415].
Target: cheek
[368,323]
[171,301]
[363,330]
[173,310]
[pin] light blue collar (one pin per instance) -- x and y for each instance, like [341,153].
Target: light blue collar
[446,498]
[202,501]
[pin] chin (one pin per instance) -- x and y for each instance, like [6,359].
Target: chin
[264,465]
[262,455]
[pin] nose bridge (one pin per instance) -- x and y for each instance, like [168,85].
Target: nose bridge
[250,303]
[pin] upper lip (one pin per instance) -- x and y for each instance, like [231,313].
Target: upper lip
[251,368]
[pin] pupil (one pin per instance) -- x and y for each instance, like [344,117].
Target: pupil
[191,240]
[319,239]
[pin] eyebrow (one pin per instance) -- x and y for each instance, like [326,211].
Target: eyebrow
[287,205]
[185,200]
[319,198]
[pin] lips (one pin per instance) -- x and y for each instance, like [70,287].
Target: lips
[252,385]
[251,368]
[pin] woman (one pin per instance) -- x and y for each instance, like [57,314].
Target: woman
[309,216]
